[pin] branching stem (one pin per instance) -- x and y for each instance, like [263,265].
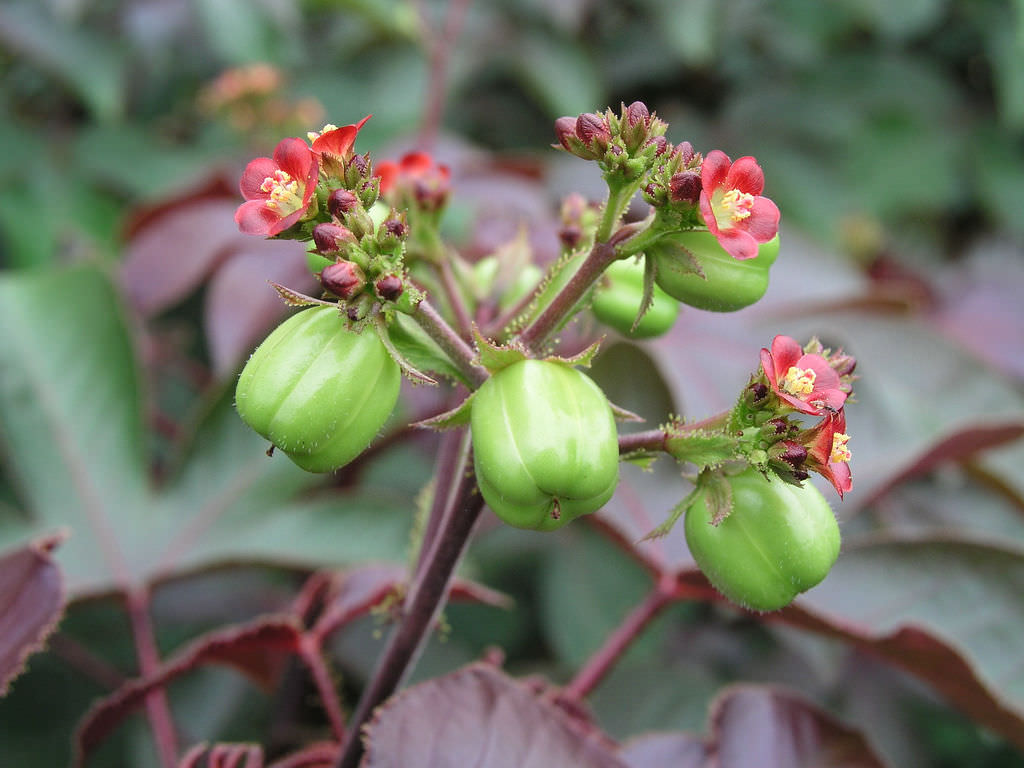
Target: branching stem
[453,345]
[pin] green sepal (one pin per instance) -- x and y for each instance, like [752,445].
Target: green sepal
[719,497]
[643,459]
[684,261]
[296,299]
[673,517]
[456,417]
[584,358]
[416,376]
[496,357]
[700,447]
[625,415]
[417,348]
[647,299]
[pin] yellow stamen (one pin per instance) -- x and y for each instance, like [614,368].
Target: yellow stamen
[283,191]
[840,452]
[799,381]
[314,135]
[737,205]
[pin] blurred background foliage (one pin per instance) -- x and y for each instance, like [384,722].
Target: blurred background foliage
[892,134]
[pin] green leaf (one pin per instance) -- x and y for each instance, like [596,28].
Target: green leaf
[495,357]
[589,585]
[92,68]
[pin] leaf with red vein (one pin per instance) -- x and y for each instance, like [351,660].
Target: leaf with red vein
[223,756]
[478,716]
[258,649]
[758,726]
[31,602]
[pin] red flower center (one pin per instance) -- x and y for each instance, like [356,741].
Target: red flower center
[283,191]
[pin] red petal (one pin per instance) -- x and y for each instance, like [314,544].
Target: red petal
[746,176]
[416,164]
[337,142]
[769,367]
[708,213]
[763,223]
[253,176]
[840,476]
[294,158]
[388,172]
[714,170]
[737,242]
[254,218]
[282,224]
[785,352]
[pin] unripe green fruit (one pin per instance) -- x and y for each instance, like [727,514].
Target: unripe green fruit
[617,301]
[318,391]
[728,284]
[780,540]
[545,445]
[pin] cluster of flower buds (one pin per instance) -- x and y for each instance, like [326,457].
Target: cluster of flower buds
[812,381]
[675,181]
[624,145]
[416,182]
[578,221]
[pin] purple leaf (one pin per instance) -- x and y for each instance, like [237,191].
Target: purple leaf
[172,253]
[758,727]
[31,602]
[477,716]
[241,306]
[320,755]
[258,648]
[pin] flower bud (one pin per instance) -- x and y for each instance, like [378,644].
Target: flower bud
[392,231]
[593,131]
[564,128]
[686,153]
[389,287]
[332,238]
[685,187]
[341,201]
[344,279]
[570,236]
[637,112]
[661,145]
[758,391]
[787,458]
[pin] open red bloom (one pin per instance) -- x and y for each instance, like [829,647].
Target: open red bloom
[827,451]
[335,141]
[732,205]
[419,174]
[805,381]
[277,190]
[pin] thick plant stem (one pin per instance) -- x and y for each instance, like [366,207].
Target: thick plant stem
[453,345]
[158,711]
[598,260]
[463,323]
[422,605]
[598,665]
[451,460]
[653,440]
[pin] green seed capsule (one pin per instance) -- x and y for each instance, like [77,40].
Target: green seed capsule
[728,283]
[780,540]
[318,391]
[617,302]
[545,445]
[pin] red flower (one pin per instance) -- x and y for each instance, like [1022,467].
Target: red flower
[335,141]
[732,205]
[827,451]
[805,381]
[420,174]
[278,190]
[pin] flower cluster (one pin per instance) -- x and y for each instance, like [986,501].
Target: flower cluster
[808,380]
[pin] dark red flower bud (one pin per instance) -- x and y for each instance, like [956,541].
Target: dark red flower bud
[789,457]
[686,152]
[570,235]
[758,391]
[637,112]
[341,201]
[564,128]
[344,279]
[685,187]
[775,427]
[661,145]
[389,287]
[593,130]
[332,238]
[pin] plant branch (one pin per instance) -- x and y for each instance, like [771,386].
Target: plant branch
[463,323]
[453,345]
[422,605]
[451,460]
[657,439]
[157,709]
[602,661]
[598,260]
[312,657]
